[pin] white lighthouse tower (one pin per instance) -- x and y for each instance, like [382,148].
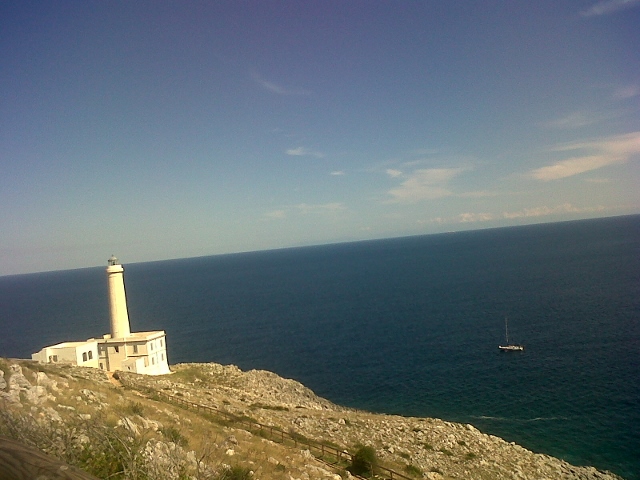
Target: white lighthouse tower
[117,300]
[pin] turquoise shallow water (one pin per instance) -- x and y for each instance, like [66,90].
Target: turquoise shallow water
[408,326]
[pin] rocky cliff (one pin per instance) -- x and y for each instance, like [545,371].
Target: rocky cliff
[138,426]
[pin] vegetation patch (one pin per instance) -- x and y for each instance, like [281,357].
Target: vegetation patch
[235,472]
[189,375]
[413,470]
[264,406]
[363,461]
[135,408]
[173,435]
[298,437]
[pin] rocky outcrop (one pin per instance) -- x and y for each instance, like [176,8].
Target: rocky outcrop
[418,447]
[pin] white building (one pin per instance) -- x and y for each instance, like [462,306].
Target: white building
[138,352]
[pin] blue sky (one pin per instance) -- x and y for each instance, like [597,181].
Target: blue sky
[155,130]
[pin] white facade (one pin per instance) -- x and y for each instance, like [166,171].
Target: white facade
[84,354]
[141,352]
[138,352]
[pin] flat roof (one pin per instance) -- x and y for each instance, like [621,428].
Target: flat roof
[135,336]
[72,344]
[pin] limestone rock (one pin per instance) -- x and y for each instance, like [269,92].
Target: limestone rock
[440,449]
[129,424]
[17,379]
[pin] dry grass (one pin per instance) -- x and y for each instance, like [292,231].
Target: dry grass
[85,399]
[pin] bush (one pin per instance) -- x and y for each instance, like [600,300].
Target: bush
[413,470]
[363,461]
[173,435]
[235,473]
[136,408]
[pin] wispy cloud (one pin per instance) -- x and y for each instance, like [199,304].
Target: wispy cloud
[422,184]
[573,166]
[474,217]
[305,209]
[304,152]
[601,153]
[337,173]
[574,120]
[278,89]
[606,7]
[276,214]
[393,173]
[628,91]
[479,194]
[534,212]
[545,211]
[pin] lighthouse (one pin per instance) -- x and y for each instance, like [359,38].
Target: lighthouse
[137,352]
[117,300]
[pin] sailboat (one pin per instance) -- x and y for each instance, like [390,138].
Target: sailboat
[509,347]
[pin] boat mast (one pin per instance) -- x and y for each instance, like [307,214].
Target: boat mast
[506,329]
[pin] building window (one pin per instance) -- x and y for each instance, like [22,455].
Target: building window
[135,349]
[101,366]
[153,361]
[84,357]
[161,343]
[162,357]
[116,349]
[151,346]
[90,355]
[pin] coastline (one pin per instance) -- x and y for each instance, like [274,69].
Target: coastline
[425,447]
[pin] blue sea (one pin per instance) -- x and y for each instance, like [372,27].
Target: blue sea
[408,326]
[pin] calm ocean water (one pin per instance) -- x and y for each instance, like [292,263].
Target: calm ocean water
[407,326]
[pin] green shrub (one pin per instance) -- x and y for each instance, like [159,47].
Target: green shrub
[136,408]
[413,470]
[264,406]
[235,472]
[173,435]
[298,437]
[363,461]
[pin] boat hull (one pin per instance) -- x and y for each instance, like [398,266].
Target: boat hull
[511,348]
